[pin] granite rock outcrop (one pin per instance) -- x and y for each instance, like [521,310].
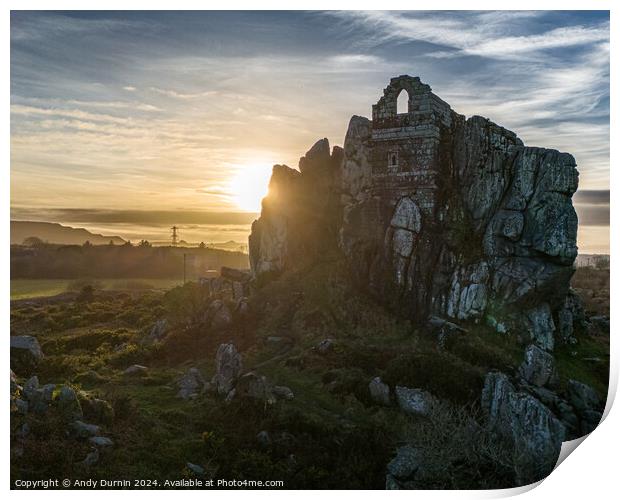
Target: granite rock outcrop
[436,214]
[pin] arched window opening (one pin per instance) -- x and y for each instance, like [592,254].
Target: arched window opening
[402,103]
[392,160]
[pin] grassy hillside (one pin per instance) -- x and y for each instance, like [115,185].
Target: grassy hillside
[331,435]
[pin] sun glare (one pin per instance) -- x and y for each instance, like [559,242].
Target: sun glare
[250,185]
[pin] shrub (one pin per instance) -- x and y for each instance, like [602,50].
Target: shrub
[185,305]
[78,285]
[458,452]
[486,353]
[440,373]
[123,406]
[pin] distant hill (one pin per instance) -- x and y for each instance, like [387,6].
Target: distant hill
[233,246]
[230,246]
[52,232]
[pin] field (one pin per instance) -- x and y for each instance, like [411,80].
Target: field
[592,286]
[30,288]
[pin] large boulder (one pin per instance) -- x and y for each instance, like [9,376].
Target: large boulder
[537,367]
[539,323]
[298,219]
[269,239]
[191,385]
[227,368]
[414,401]
[527,425]
[25,353]
[538,437]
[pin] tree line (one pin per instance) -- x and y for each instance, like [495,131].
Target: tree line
[41,261]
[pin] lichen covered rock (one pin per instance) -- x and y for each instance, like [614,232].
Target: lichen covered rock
[25,353]
[227,368]
[435,214]
[414,401]
[299,216]
[538,367]
[191,385]
[526,424]
[68,403]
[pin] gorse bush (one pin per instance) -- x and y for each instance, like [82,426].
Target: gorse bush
[186,305]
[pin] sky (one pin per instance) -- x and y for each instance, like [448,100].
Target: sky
[126,122]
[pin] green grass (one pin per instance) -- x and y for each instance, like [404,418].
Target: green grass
[27,289]
[339,437]
[587,361]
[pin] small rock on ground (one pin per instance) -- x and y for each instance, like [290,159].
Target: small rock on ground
[136,370]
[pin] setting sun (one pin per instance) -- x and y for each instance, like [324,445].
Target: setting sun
[249,186]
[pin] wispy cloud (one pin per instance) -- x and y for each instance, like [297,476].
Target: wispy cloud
[181,95]
[354,59]
[548,83]
[472,33]
[556,38]
[19,109]
[45,26]
[68,103]
[142,110]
